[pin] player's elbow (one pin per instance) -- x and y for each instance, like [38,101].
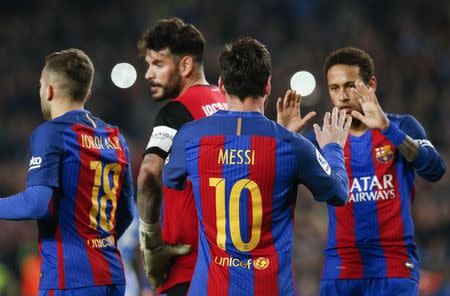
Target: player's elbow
[436,174]
[147,175]
[337,200]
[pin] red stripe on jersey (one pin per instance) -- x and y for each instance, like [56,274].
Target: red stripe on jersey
[390,222]
[351,262]
[51,292]
[208,167]
[60,259]
[122,161]
[262,172]
[83,204]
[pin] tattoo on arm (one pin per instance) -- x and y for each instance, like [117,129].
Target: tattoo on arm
[409,149]
[149,189]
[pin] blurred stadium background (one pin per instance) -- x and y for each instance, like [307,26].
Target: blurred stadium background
[408,40]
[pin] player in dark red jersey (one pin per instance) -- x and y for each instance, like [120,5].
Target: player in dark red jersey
[173,51]
[79,186]
[371,249]
[245,170]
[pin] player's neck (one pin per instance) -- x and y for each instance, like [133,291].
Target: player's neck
[249,104]
[357,128]
[197,78]
[64,107]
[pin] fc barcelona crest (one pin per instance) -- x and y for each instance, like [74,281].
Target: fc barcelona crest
[384,154]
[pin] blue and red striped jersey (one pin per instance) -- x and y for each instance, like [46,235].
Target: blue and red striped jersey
[372,236]
[87,163]
[244,170]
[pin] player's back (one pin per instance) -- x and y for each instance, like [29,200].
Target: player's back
[78,243]
[243,170]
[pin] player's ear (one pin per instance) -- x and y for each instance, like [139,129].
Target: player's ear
[186,66]
[49,93]
[373,83]
[221,86]
[268,86]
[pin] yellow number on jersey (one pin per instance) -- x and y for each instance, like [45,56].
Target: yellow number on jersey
[110,194]
[234,213]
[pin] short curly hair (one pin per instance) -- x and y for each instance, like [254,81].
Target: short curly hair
[352,56]
[172,33]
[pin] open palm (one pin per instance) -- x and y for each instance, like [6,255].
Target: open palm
[289,113]
[373,116]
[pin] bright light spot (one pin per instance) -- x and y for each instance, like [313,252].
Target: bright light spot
[303,82]
[123,75]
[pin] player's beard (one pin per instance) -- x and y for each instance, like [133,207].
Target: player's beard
[45,108]
[171,90]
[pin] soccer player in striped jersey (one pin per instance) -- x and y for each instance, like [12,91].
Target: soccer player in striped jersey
[244,170]
[173,51]
[79,186]
[371,249]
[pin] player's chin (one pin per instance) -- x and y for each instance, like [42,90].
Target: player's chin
[158,95]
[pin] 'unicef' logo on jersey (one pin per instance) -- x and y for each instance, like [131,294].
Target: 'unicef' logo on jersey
[323,163]
[35,163]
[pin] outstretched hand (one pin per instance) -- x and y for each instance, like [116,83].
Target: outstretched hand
[374,116]
[289,114]
[335,128]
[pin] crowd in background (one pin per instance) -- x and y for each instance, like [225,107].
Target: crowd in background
[408,40]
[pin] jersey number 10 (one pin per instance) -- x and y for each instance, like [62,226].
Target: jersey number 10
[234,213]
[110,194]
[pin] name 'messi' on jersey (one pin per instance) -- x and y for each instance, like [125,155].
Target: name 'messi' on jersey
[371,188]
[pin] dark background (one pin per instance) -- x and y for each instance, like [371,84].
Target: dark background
[408,40]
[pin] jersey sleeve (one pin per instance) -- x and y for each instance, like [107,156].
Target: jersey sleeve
[428,164]
[46,149]
[325,177]
[125,208]
[174,171]
[167,122]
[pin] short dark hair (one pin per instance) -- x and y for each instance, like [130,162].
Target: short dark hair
[180,38]
[352,56]
[245,66]
[74,70]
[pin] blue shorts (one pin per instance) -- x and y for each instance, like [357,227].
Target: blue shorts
[370,287]
[113,290]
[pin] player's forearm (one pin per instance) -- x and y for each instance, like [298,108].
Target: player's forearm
[32,204]
[405,144]
[421,154]
[149,197]
[335,157]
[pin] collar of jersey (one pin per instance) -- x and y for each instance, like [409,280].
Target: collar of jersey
[73,112]
[238,113]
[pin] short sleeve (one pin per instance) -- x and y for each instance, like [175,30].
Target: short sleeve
[46,149]
[168,120]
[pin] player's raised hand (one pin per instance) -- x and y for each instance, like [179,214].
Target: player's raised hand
[158,256]
[335,128]
[373,116]
[289,113]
